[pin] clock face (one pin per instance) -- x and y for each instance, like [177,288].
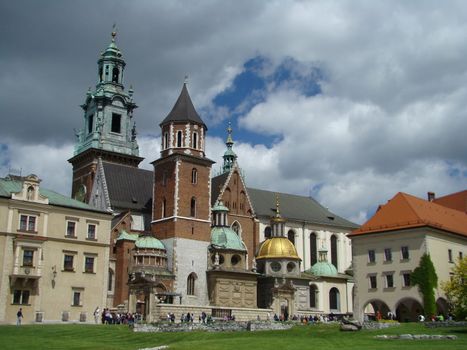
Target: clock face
[80,194]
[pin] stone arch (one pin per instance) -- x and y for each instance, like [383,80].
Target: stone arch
[334,300]
[314,290]
[291,236]
[237,228]
[408,310]
[442,307]
[374,309]
[334,252]
[191,284]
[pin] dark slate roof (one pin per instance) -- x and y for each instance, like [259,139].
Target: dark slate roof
[129,187]
[295,208]
[216,186]
[183,110]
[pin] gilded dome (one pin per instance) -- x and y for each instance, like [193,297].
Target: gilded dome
[277,247]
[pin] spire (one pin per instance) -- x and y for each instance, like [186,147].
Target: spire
[183,110]
[229,156]
[277,221]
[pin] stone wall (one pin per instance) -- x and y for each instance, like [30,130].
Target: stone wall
[160,311]
[446,324]
[218,326]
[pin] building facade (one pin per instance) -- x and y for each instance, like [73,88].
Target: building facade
[55,254]
[388,247]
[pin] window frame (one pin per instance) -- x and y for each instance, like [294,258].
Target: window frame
[113,123]
[371,256]
[67,231]
[389,280]
[406,282]
[194,176]
[405,253]
[76,297]
[31,264]
[19,298]
[450,260]
[26,225]
[372,281]
[387,255]
[89,264]
[66,267]
[94,233]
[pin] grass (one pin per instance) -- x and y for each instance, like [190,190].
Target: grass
[300,337]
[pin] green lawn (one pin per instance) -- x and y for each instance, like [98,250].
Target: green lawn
[300,337]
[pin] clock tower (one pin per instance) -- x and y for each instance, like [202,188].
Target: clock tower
[108,131]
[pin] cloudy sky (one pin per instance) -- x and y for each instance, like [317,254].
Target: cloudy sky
[347,101]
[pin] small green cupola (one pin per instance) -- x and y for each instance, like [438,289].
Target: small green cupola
[222,236]
[229,156]
[111,64]
[323,267]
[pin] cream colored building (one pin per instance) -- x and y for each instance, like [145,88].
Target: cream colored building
[388,247]
[54,254]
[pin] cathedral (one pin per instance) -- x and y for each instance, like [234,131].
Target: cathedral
[184,239]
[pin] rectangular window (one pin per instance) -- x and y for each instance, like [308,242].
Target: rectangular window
[91,231]
[461,256]
[76,298]
[405,253]
[406,279]
[27,223]
[71,229]
[372,280]
[89,264]
[371,256]
[390,281]
[28,257]
[90,123]
[450,255]
[21,297]
[387,254]
[68,263]
[116,123]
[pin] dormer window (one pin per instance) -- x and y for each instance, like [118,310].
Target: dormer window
[30,193]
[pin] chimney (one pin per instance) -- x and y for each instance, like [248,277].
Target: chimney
[431,196]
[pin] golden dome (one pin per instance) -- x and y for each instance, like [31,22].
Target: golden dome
[277,247]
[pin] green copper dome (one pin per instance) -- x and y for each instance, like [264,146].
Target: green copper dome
[226,238]
[149,242]
[323,268]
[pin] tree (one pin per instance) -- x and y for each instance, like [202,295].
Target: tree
[456,289]
[425,277]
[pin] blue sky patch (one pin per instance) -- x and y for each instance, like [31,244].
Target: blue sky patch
[251,87]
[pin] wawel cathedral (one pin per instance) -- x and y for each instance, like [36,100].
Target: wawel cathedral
[186,240]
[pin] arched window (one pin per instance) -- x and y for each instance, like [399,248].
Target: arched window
[236,228]
[313,296]
[115,74]
[313,253]
[30,194]
[267,232]
[190,284]
[334,250]
[334,299]
[195,140]
[166,140]
[193,207]
[110,280]
[291,236]
[194,176]
[179,139]
[164,210]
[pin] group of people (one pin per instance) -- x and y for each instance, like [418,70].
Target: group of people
[108,317]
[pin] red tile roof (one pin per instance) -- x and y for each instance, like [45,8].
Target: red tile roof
[457,201]
[406,211]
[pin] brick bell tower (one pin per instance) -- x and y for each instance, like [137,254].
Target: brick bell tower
[108,132]
[182,197]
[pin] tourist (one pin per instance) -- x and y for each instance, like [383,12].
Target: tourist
[19,317]
[96,314]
